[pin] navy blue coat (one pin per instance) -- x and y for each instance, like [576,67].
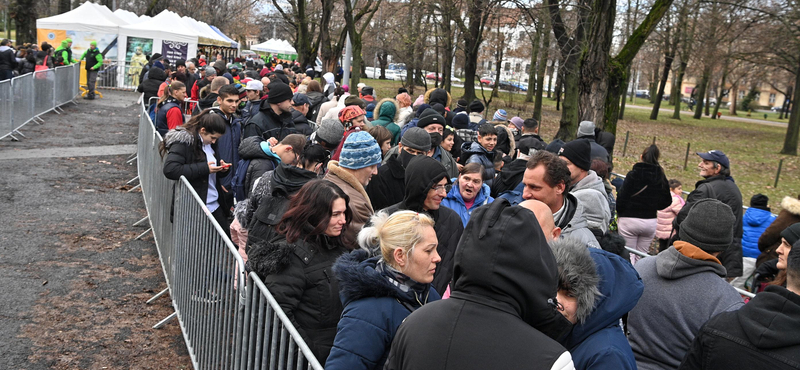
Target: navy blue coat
[599,342]
[372,313]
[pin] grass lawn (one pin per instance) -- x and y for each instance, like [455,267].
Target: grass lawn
[752,148]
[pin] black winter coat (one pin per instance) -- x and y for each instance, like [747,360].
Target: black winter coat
[266,124]
[500,313]
[186,158]
[725,190]
[315,100]
[8,60]
[300,277]
[388,187]
[448,226]
[269,200]
[510,177]
[150,86]
[301,124]
[644,192]
[763,334]
[533,141]
[260,162]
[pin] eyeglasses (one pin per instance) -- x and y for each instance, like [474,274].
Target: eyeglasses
[439,188]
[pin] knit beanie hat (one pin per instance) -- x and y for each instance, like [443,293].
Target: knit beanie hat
[476,106]
[429,117]
[279,92]
[791,233]
[461,103]
[760,201]
[421,108]
[517,122]
[461,121]
[420,100]
[500,115]
[359,150]
[349,112]
[416,138]
[708,226]
[586,128]
[354,100]
[331,131]
[555,146]
[579,152]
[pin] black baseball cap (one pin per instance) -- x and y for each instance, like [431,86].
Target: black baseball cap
[299,99]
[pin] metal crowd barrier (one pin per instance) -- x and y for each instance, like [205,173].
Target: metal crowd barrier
[229,319]
[116,75]
[25,98]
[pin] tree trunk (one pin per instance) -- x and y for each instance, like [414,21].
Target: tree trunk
[679,85]
[534,57]
[624,91]
[734,99]
[559,86]
[537,104]
[594,65]
[792,131]
[24,14]
[701,93]
[720,89]
[498,65]
[662,85]
[472,42]
[708,99]
[787,98]
[330,51]
[550,73]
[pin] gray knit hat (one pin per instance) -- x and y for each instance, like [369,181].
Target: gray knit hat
[708,226]
[416,138]
[331,131]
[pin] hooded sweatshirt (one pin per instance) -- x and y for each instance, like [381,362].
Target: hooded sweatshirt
[510,177]
[150,86]
[501,313]
[374,307]
[599,342]
[386,113]
[592,194]
[570,218]
[764,334]
[685,288]
[422,174]
[644,192]
[754,222]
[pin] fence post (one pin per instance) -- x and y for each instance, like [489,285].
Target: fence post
[625,148]
[654,140]
[778,175]
[686,160]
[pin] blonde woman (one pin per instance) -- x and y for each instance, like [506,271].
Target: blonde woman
[379,292]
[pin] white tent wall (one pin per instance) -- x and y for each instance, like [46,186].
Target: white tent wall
[166,26]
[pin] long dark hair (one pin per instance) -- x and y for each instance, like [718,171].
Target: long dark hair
[310,211]
[651,155]
[212,122]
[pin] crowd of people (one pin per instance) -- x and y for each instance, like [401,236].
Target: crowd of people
[411,232]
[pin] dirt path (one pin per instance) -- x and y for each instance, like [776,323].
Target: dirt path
[74,281]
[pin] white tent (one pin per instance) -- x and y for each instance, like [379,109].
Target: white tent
[206,36]
[128,16]
[274,46]
[87,17]
[164,27]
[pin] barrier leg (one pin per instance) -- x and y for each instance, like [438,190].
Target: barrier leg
[132,159]
[132,180]
[165,321]
[141,221]
[18,133]
[134,188]
[157,296]
[143,234]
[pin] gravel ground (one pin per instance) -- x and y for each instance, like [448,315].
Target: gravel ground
[74,281]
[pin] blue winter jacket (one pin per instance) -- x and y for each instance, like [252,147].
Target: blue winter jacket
[228,147]
[475,153]
[755,221]
[372,312]
[455,201]
[599,342]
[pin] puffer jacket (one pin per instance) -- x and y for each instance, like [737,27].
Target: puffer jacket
[150,86]
[771,237]
[573,222]
[644,192]
[456,202]
[666,215]
[473,152]
[8,60]
[266,123]
[260,161]
[591,192]
[315,100]
[374,308]
[300,277]
[754,222]
[387,113]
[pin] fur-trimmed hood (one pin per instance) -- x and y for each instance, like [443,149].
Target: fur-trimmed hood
[791,205]
[577,274]
[179,135]
[342,174]
[386,115]
[359,279]
[441,96]
[272,257]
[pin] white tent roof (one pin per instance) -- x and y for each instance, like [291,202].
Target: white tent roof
[166,26]
[128,16]
[206,35]
[275,46]
[87,17]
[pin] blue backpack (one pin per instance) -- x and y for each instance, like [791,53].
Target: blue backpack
[239,181]
[514,196]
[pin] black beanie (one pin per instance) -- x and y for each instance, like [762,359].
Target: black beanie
[579,152]
[476,106]
[430,116]
[791,233]
[708,226]
[760,201]
[279,92]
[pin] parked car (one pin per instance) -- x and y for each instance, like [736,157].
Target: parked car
[644,94]
[400,75]
[776,108]
[433,76]
[488,81]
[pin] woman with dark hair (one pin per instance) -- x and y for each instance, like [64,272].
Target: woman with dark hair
[644,192]
[296,264]
[191,152]
[168,109]
[315,99]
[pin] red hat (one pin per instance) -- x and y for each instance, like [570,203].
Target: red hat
[349,112]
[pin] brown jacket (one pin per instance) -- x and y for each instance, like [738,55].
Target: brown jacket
[771,238]
[359,200]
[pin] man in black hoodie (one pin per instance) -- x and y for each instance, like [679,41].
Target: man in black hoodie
[426,186]
[502,313]
[150,86]
[388,186]
[510,177]
[274,118]
[763,334]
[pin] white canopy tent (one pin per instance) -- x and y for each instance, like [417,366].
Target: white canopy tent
[166,26]
[128,16]
[87,17]
[206,36]
[275,46]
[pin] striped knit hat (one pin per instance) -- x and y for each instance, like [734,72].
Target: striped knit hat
[359,150]
[500,115]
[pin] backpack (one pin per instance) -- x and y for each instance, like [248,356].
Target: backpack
[239,181]
[514,196]
[151,111]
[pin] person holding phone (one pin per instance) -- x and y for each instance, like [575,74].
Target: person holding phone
[191,152]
